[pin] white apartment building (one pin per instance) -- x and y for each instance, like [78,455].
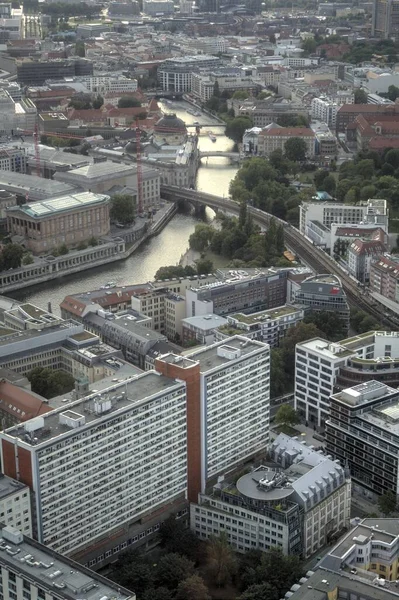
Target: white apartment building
[158,7]
[107,83]
[295,506]
[15,505]
[316,218]
[88,487]
[207,45]
[320,366]
[202,85]
[322,109]
[30,570]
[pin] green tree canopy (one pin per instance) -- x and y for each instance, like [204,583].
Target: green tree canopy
[176,537]
[295,149]
[286,415]
[360,96]
[49,383]
[192,588]
[172,569]
[123,208]
[328,323]
[202,237]
[11,257]
[387,503]
[221,562]
[259,591]
[98,101]
[204,266]
[240,95]
[128,102]
[236,127]
[174,271]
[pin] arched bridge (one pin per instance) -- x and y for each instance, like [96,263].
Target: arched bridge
[219,153]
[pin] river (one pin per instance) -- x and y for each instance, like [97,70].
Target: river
[214,176]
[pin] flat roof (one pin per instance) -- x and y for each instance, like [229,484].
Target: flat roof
[209,359]
[205,322]
[9,486]
[61,204]
[250,485]
[52,571]
[122,395]
[272,313]
[34,186]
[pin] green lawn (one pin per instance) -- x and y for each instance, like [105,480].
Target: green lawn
[287,429]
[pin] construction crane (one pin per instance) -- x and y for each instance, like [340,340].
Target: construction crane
[139,170]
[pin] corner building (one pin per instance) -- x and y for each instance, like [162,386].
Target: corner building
[101,469]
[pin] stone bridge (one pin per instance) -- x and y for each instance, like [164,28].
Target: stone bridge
[235,156]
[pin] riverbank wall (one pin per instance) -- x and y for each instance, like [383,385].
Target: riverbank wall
[106,252]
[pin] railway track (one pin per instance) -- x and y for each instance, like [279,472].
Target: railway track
[314,257]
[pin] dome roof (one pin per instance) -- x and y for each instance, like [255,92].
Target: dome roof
[170,124]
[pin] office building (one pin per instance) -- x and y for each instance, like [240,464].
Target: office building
[166,310]
[68,220]
[227,407]
[91,30]
[28,568]
[324,293]
[158,7]
[348,113]
[323,367]
[385,19]
[35,72]
[323,109]
[320,218]
[265,112]
[363,431]
[202,330]
[268,326]
[174,74]
[91,503]
[13,158]
[275,138]
[298,503]
[239,291]
[15,505]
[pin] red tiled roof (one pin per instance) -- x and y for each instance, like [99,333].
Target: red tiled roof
[368,247]
[381,142]
[21,403]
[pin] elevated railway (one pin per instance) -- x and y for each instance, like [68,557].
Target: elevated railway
[295,241]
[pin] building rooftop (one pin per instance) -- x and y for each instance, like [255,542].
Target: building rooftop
[273,313]
[20,403]
[91,409]
[205,322]
[48,569]
[221,353]
[9,486]
[33,187]
[57,205]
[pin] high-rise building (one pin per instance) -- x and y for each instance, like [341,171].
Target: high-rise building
[104,471]
[363,431]
[227,406]
[385,19]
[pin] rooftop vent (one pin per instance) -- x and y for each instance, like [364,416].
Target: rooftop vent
[12,535]
[72,419]
[34,424]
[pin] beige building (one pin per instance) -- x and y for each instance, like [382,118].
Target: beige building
[165,308]
[105,176]
[274,138]
[43,226]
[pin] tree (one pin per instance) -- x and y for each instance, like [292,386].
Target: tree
[176,537]
[295,149]
[329,185]
[93,241]
[279,571]
[328,323]
[259,591]
[277,374]
[360,96]
[50,383]
[286,415]
[128,102]
[309,46]
[159,593]
[62,250]
[204,266]
[202,237]
[134,572]
[80,49]
[98,102]
[192,588]
[123,208]
[236,127]
[216,89]
[387,503]
[27,259]
[221,561]
[11,256]
[319,177]
[172,569]
[240,95]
